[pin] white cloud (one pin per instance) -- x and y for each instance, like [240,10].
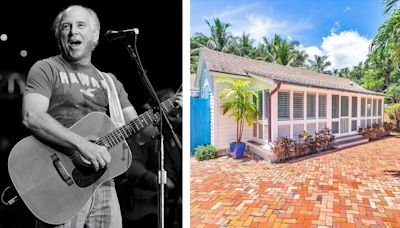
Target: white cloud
[347,9]
[312,50]
[346,49]
[259,26]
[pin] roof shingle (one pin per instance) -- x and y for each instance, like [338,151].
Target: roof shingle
[232,64]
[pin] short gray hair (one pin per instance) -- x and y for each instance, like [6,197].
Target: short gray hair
[57,22]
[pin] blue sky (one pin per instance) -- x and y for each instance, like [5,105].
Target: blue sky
[339,29]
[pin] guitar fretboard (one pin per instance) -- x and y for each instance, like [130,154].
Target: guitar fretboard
[134,126]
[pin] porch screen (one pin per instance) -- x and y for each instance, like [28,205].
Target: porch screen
[369,108]
[335,106]
[379,107]
[354,125]
[344,111]
[283,106]
[298,111]
[374,108]
[362,106]
[335,127]
[310,106]
[354,107]
[321,106]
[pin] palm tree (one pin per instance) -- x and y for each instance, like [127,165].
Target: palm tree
[220,39]
[387,36]
[277,50]
[244,46]
[389,5]
[237,100]
[319,64]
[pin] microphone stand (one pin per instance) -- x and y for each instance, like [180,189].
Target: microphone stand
[162,173]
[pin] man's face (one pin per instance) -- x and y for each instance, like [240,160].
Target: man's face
[77,34]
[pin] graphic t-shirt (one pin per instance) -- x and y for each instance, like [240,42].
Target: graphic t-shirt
[74,90]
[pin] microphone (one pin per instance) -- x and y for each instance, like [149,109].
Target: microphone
[112,35]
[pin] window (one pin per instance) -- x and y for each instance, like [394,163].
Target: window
[379,107]
[369,108]
[260,105]
[321,106]
[374,108]
[344,111]
[362,106]
[283,106]
[335,106]
[354,107]
[298,103]
[335,127]
[310,106]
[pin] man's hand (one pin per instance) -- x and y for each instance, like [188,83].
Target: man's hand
[98,156]
[179,100]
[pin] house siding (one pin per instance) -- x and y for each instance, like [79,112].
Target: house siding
[224,126]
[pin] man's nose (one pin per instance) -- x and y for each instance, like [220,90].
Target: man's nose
[74,29]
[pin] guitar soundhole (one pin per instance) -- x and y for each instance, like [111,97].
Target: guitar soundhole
[86,177]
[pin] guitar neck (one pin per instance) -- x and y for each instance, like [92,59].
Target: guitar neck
[134,126]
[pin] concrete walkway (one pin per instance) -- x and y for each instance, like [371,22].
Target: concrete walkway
[353,187]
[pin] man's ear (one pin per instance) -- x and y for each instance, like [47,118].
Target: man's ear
[96,35]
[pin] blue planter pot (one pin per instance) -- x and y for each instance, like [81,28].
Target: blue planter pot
[237,149]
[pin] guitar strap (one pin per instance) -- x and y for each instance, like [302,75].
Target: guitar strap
[113,101]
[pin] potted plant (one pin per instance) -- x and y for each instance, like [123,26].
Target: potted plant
[237,101]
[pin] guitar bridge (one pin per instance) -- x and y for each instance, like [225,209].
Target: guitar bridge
[61,170]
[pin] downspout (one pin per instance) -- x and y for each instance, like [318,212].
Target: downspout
[269,109]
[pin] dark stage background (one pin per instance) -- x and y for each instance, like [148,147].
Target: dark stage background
[28,27]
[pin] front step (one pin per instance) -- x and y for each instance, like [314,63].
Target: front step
[348,141]
[261,150]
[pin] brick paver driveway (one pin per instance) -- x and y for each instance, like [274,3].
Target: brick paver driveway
[354,187]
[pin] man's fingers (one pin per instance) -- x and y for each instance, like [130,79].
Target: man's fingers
[95,165]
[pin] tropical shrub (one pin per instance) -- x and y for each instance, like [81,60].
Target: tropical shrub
[205,152]
[285,147]
[376,131]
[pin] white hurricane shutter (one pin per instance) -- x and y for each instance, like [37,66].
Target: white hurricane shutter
[311,127]
[297,129]
[322,106]
[298,103]
[283,130]
[310,106]
[283,106]
[266,104]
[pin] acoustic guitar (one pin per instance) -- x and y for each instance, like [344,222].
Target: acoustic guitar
[56,185]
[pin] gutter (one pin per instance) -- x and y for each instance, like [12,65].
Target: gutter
[269,109]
